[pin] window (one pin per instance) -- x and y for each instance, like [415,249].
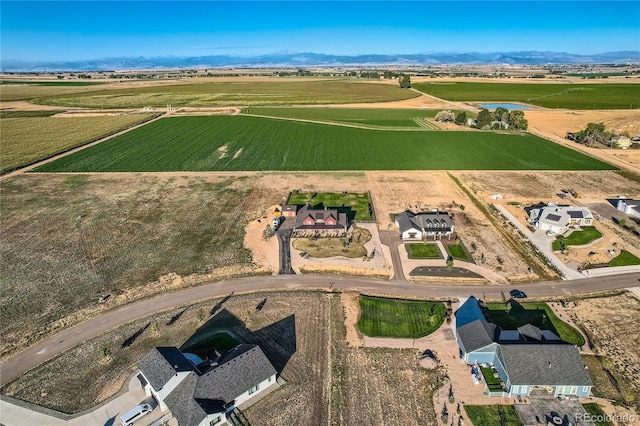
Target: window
[253,389]
[215,421]
[515,389]
[523,389]
[270,378]
[585,389]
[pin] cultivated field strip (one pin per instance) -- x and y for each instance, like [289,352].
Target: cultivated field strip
[202,144]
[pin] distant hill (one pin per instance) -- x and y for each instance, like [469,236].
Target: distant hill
[308,59]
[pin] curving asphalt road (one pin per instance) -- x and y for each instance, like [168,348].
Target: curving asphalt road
[32,357]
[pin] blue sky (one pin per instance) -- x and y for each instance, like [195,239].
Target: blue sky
[76,30]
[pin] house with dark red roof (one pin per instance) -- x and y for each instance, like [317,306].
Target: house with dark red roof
[321,221]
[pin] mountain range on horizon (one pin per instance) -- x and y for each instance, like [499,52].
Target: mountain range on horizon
[309,59]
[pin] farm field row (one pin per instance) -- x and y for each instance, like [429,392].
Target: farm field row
[570,96]
[363,116]
[255,143]
[288,92]
[26,140]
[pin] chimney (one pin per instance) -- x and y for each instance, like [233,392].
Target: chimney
[549,364]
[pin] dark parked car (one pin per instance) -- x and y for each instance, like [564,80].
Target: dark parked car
[517,294]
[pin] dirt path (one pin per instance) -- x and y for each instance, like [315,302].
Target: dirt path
[351,306]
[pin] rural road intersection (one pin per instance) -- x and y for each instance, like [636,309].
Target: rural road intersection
[71,337]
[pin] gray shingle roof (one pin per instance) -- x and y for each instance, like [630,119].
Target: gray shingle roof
[530,332]
[162,363]
[407,220]
[544,365]
[477,334]
[240,369]
[307,211]
[182,404]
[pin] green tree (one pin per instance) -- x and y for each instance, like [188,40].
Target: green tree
[516,120]
[592,134]
[445,115]
[484,118]
[405,81]
[461,118]
[501,114]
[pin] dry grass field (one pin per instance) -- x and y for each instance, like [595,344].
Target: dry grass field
[302,333]
[27,140]
[69,239]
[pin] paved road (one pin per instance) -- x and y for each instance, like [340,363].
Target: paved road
[71,337]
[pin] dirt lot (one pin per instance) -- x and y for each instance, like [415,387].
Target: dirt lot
[302,333]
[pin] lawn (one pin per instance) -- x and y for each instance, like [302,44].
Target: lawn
[538,314]
[255,143]
[423,251]
[586,235]
[493,383]
[330,247]
[597,413]
[457,251]
[355,204]
[360,116]
[571,96]
[245,93]
[380,317]
[481,415]
[27,139]
[625,259]
[204,343]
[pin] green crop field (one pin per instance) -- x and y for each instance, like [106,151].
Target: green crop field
[275,92]
[27,140]
[571,96]
[409,319]
[358,116]
[355,205]
[255,143]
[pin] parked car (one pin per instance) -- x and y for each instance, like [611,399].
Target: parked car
[517,294]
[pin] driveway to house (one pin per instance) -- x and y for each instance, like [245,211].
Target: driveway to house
[284,241]
[55,345]
[543,243]
[392,240]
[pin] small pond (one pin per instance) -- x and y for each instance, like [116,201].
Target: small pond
[506,106]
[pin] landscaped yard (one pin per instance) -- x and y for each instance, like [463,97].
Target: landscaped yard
[457,251]
[203,345]
[624,259]
[484,415]
[380,317]
[256,143]
[493,383]
[423,251]
[330,247]
[596,412]
[538,314]
[584,236]
[356,205]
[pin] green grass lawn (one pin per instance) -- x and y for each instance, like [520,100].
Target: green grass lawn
[246,93]
[423,251]
[205,346]
[355,204]
[410,319]
[493,383]
[586,235]
[457,252]
[255,143]
[363,116]
[625,259]
[538,314]
[571,96]
[485,415]
[595,411]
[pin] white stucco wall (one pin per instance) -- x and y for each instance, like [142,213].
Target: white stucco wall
[261,387]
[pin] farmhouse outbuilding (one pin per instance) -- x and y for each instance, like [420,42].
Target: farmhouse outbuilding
[205,393]
[321,221]
[420,226]
[559,219]
[629,206]
[289,210]
[527,360]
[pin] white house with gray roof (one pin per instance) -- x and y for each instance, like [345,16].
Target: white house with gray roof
[527,359]
[421,226]
[559,219]
[204,393]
